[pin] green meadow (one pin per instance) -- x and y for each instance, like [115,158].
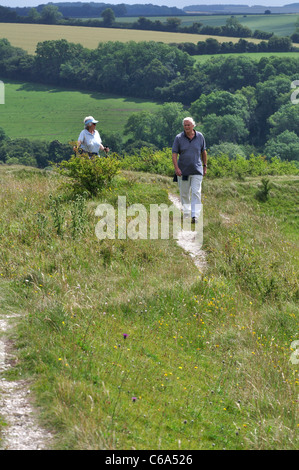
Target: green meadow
[126,343]
[48,113]
[280,25]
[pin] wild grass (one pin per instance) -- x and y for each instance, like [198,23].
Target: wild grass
[129,345]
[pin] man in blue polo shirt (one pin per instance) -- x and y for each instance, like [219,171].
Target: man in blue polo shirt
[190,146]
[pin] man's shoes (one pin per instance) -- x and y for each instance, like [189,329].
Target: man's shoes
[194,220]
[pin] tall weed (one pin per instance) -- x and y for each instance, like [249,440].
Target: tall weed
[79,216]
[262,195]
[58,213]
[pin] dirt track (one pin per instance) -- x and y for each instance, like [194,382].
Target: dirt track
[22,431]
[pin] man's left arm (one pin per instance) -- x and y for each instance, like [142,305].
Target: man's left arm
[204,159]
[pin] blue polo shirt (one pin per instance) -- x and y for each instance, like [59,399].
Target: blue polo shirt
[189,153]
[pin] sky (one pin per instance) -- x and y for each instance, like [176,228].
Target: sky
[169,3]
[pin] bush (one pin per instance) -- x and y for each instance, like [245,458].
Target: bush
[89,174]
[256,165]
[146,159]
[219,166]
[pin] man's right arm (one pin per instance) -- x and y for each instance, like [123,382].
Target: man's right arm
[175,164]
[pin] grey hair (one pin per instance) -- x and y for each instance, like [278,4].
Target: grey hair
[189,119]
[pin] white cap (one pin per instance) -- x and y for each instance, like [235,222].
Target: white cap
[89,120]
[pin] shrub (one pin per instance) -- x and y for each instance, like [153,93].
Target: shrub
[220,165]
[89,174]
[256,165]
[159,162]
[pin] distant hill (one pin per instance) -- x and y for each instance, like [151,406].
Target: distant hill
[94,10]
[240,9]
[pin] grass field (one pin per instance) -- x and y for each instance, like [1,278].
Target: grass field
[27,36]
[50,113]
[127,344]
[280,25]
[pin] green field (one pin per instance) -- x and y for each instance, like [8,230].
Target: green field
[280,25]
[49,113]
[27,36]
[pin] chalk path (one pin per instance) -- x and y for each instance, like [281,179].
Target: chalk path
[187,240]
[22,431]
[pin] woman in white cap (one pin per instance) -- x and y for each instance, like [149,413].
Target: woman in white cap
[89,139]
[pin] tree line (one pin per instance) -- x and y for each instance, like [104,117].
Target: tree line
[94,10]
[32,153]
[212,46]
[242,105]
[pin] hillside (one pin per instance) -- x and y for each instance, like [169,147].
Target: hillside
[128,344]
[241,9]
[112,336]
[93,10]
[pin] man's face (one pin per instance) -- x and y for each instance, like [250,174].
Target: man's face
[188,126]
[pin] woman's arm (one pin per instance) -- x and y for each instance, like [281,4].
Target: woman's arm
[76,147]
[106,149]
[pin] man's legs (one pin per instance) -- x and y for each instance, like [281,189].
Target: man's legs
[195,183]
[185,192]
